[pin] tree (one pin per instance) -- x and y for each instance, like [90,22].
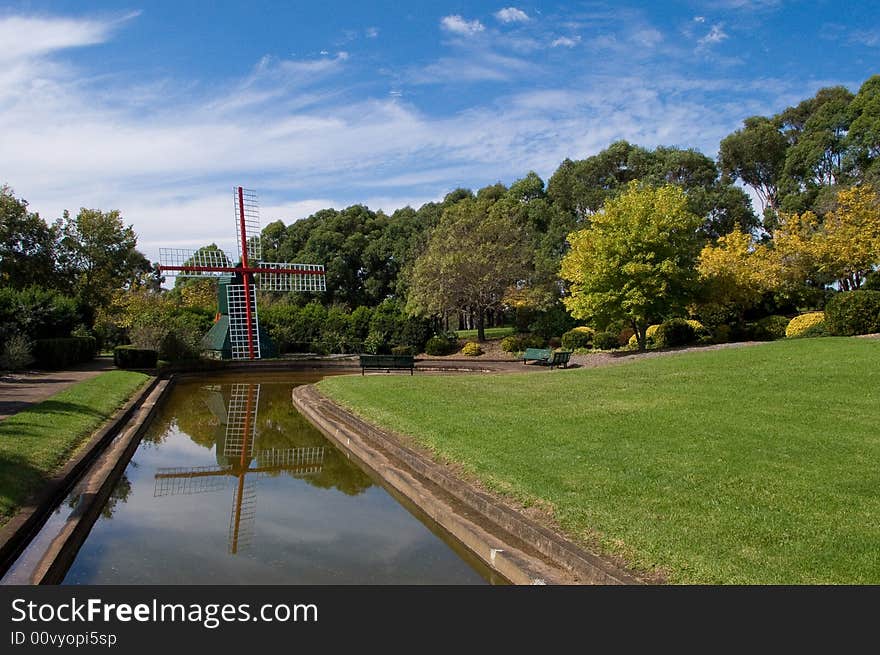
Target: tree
[863,138]
[474,254]
[755,155]
[636,260]
[843,247]
[737,271]
[580,188]
[97,255]
[27,244]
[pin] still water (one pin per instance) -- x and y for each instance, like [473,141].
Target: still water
[231,485]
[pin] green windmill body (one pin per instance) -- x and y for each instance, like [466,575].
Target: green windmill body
[217,343]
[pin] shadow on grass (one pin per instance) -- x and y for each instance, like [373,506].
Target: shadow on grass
[56,407]
[19,479]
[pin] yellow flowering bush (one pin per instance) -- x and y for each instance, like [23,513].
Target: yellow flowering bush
[806,325]
[471,349]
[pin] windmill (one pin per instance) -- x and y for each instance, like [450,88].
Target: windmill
[236,332]
[244,463]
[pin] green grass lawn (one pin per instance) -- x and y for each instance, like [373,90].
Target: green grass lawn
[746,465]
[36,442]
[491,333]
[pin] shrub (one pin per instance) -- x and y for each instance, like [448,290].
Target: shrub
[516,343]
[132,357]
[649,337]
[471,349]
[16,353]
[853,312]
[769,328]
[722,334]
[403,351]
[872,281]
[438,346]
[807,325]
[624,336]
[374,343]
[605,340]
[577,338]
[58,353]
[675,332]
[552,323]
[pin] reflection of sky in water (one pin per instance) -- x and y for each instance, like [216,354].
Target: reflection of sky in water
[305,530]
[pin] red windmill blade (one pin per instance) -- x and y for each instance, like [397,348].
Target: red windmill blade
[251,271]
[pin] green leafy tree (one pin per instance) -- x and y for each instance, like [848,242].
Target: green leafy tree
[97,255]
[27,244]
[755,155]
[636,260]
[473,256]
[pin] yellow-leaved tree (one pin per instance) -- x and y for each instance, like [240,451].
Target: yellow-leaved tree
[635,261]
[844,247]
[738,271]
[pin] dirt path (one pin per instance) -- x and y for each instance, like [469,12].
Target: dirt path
[19,391]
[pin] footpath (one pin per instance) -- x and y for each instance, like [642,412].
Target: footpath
[19,391]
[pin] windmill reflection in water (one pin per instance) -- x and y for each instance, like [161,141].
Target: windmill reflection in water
[245,464]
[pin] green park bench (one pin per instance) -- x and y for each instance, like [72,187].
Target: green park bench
[387,362]
[536,354]
[559,358]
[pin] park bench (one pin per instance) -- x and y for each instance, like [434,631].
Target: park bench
[559,358]
[387,362]
[536,354]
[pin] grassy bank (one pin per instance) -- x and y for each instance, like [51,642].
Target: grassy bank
[36,442]
[746,465]
[491,333]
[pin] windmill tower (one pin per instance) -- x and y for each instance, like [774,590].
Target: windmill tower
[236,334]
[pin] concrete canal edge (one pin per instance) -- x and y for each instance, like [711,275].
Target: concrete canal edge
[95,469]
[518,548]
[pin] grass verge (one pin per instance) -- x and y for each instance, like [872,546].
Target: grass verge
[491,333]
[745,465]
[37,441]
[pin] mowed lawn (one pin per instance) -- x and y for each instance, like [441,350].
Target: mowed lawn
[36,442]
[491,333]
[743,465]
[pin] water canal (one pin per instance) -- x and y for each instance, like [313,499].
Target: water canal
[231,485]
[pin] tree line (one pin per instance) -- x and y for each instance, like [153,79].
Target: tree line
[499,254]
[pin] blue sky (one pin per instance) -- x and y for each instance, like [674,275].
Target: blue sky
[160,108]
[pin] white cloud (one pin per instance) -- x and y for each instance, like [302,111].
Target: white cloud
[715,35]
[699,19]
[371,32]
[565,41]
[306,135]
[512,15]
[459,25]
[24,37]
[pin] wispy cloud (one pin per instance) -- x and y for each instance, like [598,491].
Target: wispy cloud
[25,36]
[715,35]
[565,42]
[458,25]
[311,132]
[512,15]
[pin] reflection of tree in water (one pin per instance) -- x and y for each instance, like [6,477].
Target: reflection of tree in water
[120,493]
[199,411]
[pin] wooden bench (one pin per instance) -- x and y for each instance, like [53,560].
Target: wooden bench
[387,362]
[536,354]
[559,358]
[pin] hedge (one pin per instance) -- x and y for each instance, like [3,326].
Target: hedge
[64,351]
[853,312]
[132,357]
